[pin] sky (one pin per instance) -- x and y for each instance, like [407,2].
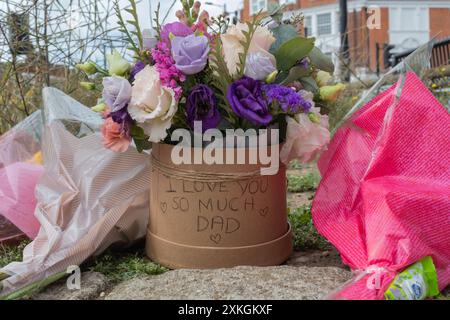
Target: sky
[214,10]
[146,9]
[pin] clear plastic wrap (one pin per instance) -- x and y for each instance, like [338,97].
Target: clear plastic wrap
[20,170]
[88,197]
[384,201]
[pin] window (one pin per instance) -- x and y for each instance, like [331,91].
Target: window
[307,23]
[281,2]
[324,24]
[257,5]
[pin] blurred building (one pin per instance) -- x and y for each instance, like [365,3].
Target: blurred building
[403,25]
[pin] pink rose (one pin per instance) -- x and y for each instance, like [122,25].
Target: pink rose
[305,139]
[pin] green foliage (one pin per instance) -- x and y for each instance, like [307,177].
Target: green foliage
[252,26]
[296,73]
[124,266]
[305,234]
[221,79]
[321,61]
[275,11]
[305,183]
[11,253]
[292,51]
[309,84]
[156,20]
[282,33]
[140,139]
[295,164]
[136,48]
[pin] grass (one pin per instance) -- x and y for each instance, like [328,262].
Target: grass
[122,266]
[305,234]
[11,253]
[295,164]
[308,182]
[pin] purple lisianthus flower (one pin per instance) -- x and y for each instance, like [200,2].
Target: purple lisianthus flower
[289,100]
[190,53]
[116,93]
[123,118]
[138,67]
[201,105]
[177,29]
[247,101]
[260,65]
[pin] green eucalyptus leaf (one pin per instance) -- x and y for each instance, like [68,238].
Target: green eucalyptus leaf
[321,61]
[275,12]
[292,51]
[309,84]
[295,74]
[282,33]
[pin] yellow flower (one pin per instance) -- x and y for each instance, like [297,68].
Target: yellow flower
[323,78]
[331,93]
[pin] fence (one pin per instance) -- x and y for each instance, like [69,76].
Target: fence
[439,57]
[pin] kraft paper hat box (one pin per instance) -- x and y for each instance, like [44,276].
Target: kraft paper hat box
[216,216]
[185,75]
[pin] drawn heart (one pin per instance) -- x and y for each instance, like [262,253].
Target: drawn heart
[264,212]
[216,238]
[164,207]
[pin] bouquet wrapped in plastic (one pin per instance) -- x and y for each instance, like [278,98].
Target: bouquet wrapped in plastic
[20,169]
[384,201]
[88,197]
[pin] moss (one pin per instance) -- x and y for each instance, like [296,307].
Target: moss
[305,234]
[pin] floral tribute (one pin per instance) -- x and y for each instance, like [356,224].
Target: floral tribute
[256,74]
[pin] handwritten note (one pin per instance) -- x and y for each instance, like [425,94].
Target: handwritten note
[217,208]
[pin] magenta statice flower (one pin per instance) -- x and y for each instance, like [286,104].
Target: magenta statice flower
[168,72]
[289,100]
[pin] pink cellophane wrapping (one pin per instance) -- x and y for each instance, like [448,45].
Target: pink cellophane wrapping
[18,179]
[384,200]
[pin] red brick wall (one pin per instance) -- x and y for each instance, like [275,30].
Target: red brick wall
[379,36]
[245,13]
[439,23]
[358,38]
[314,3]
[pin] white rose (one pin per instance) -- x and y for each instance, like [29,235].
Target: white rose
[152,105]
[231,41]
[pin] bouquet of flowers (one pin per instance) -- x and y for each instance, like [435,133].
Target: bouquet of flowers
[227,76]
